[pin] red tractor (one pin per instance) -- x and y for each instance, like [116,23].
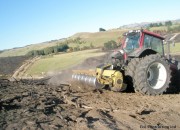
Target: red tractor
[140,64]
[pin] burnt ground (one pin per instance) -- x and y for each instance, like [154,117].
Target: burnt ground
[8,65]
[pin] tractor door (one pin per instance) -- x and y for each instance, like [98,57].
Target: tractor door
[154,43]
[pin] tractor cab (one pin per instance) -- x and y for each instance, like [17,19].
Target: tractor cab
[138,43]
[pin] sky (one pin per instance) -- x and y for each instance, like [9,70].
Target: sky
[24,22]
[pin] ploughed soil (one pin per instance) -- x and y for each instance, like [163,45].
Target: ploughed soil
[59,103]
[37,105]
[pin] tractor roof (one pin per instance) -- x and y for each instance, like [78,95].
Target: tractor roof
[146,32]
[153,34]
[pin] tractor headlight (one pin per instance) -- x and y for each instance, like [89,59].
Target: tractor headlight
[122,52]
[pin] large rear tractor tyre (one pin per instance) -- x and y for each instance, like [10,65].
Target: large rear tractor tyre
[176,81]
[153,75]
[177,77]
[130,73]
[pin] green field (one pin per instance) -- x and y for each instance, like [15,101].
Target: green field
[173,49]
[61,61]
[99,38]
[158,28]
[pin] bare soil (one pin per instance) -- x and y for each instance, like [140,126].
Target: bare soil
[51,105]
[37,105]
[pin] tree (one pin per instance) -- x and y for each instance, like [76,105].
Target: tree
[160,24]
[150,25]
[35,52]
[77,40]
[70,49]
[110,45]
[48,50]
[1,51]
[40,52]
[91,45]
[101,30]
[77,48]
[155,25]
[168,23]
[30,53]
[55,49]
[63,47]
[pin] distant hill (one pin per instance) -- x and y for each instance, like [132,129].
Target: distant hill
[20,51]
[145,24]
[135,25]
[97,39]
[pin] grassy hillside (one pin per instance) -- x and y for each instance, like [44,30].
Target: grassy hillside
[97,39]
[61,61]
[164,27]
[24,50]
[173,49]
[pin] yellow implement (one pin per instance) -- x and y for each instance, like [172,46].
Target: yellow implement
[101,77]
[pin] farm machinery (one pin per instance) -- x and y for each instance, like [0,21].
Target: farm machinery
[140,64]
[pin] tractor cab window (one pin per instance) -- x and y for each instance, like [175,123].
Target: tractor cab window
[131,42]
[153,43]
[147,41]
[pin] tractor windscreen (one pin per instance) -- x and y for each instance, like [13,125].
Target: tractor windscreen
[131,41]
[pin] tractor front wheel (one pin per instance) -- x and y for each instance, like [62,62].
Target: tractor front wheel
[130,74]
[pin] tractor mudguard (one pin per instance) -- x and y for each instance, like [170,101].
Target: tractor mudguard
[142,53]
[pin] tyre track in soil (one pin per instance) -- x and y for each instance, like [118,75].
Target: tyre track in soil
[20,72]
